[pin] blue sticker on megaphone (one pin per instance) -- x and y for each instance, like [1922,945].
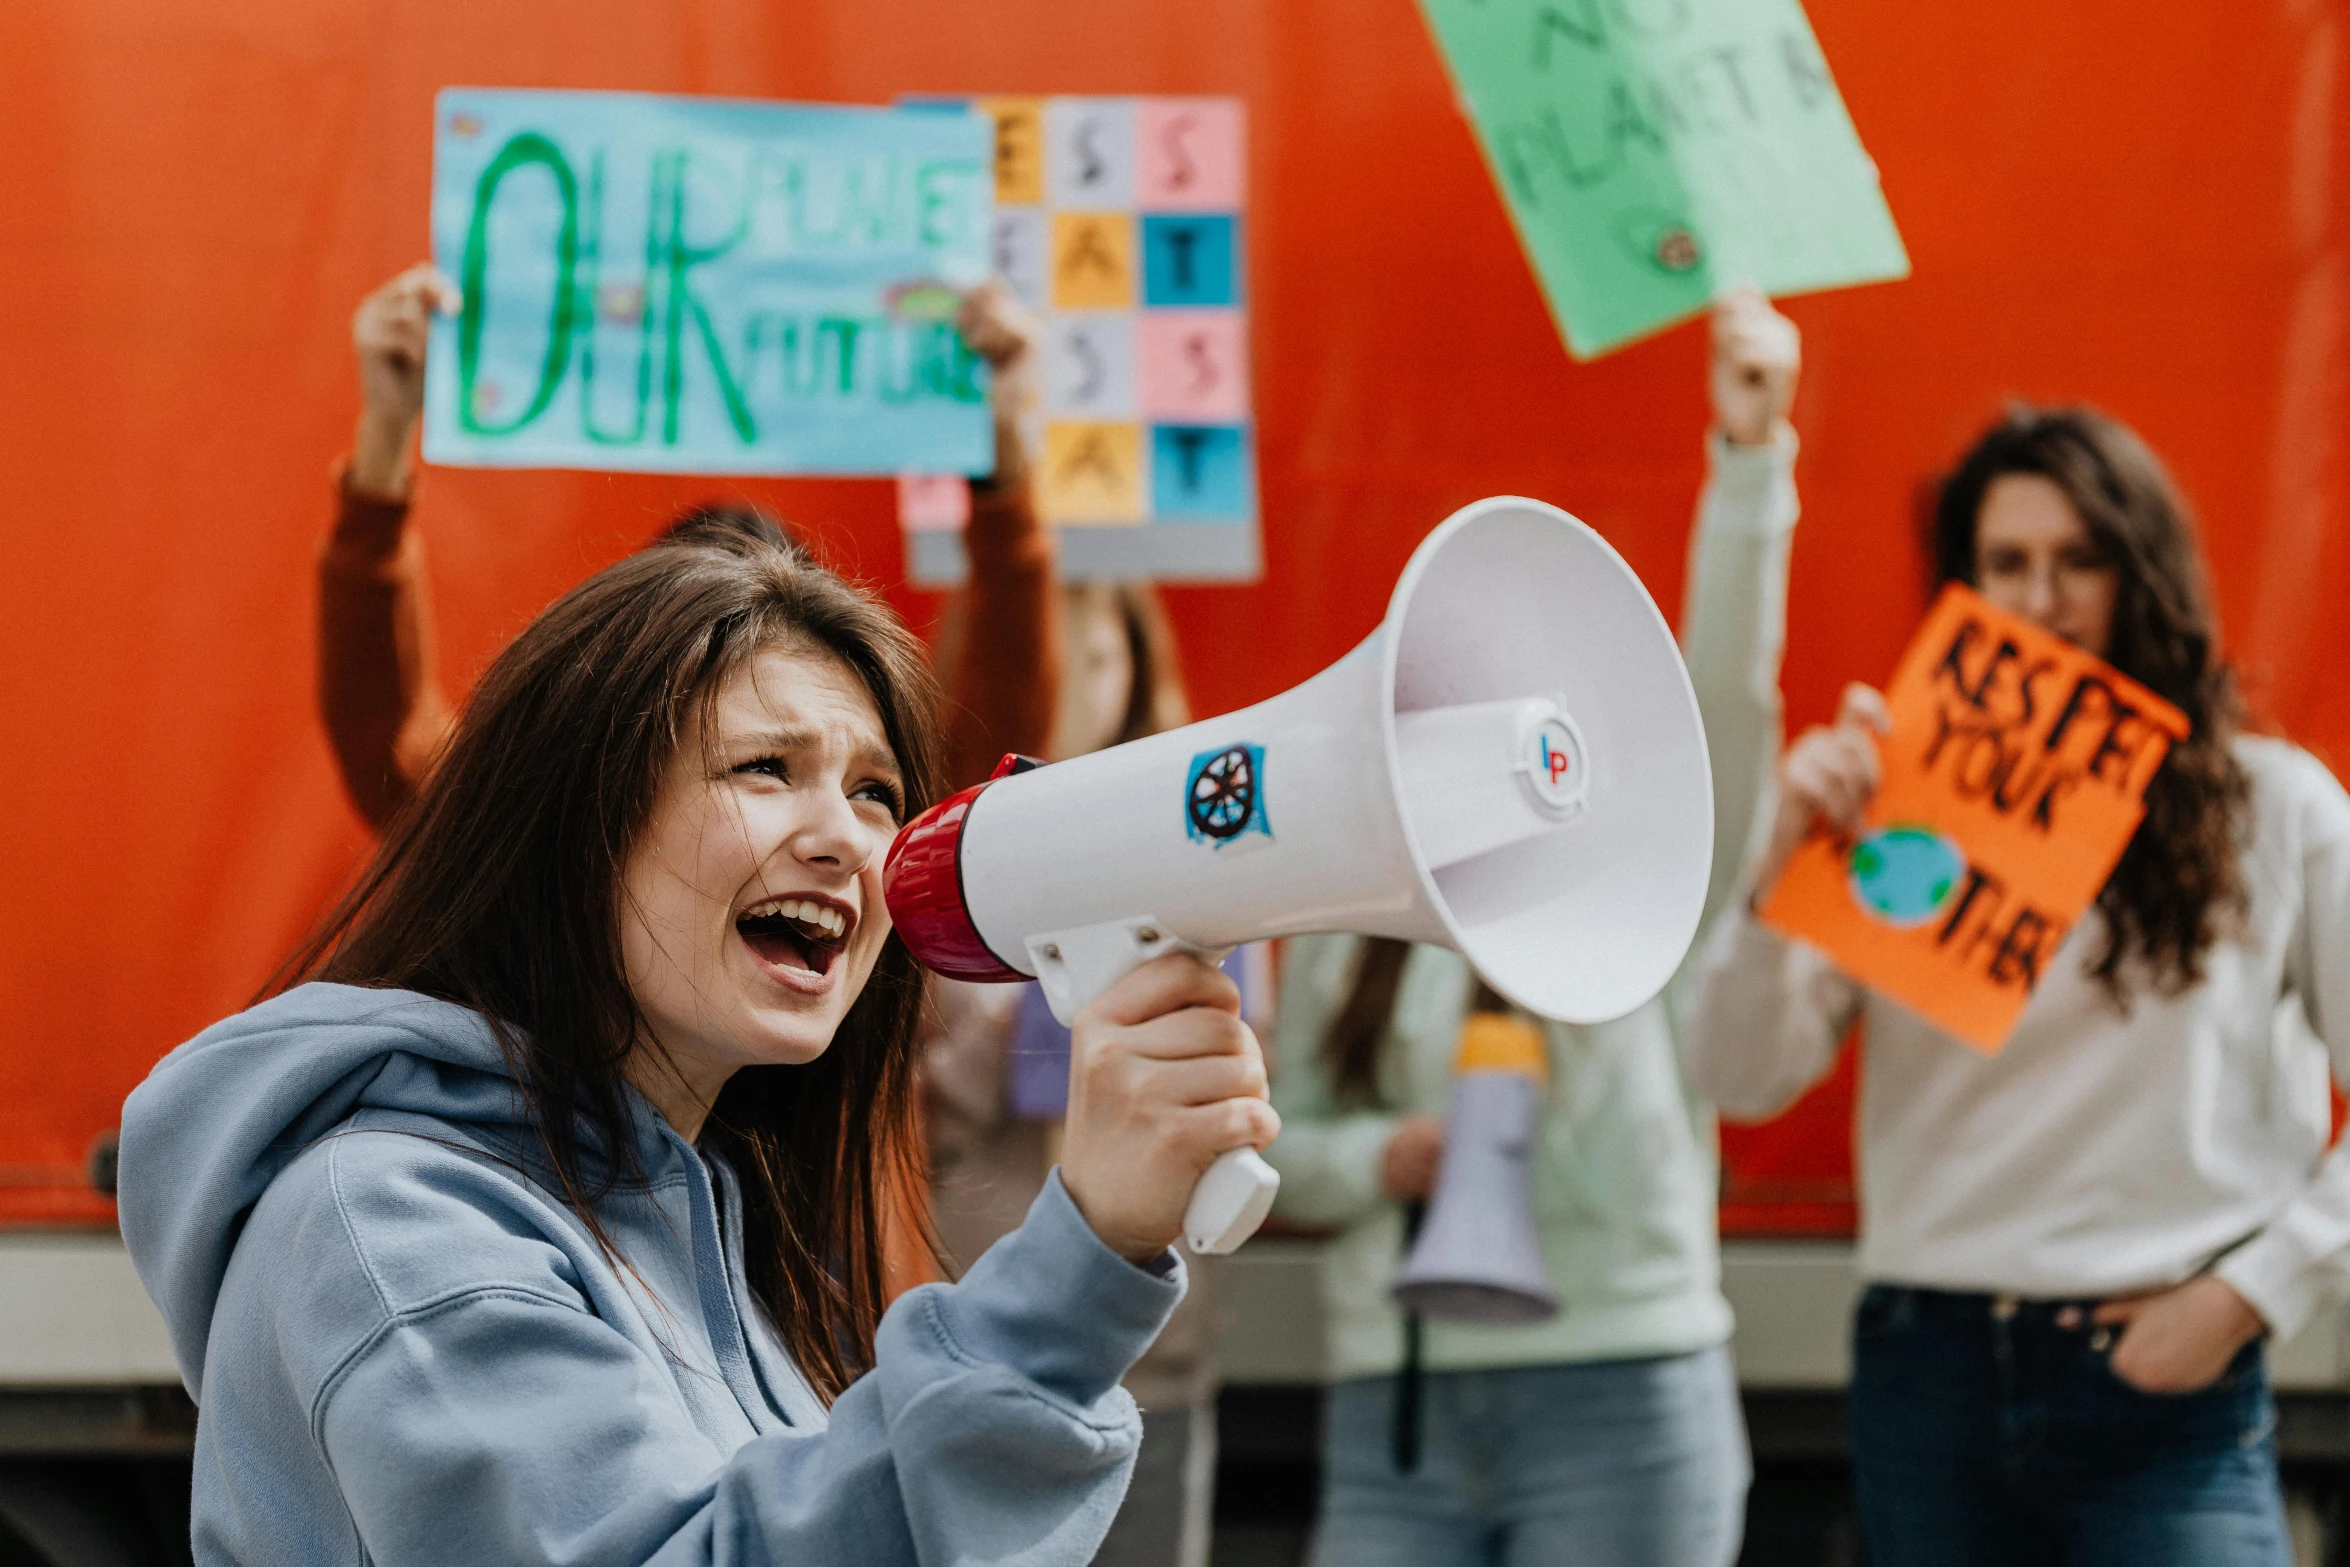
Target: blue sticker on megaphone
[1224,796]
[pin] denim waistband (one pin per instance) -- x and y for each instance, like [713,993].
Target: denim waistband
[1883,1305]
[1984,1303]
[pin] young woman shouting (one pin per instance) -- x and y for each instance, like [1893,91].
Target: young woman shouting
[542,1224]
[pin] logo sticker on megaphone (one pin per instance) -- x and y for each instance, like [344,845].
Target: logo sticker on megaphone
[1511,765]
[1224,798]
[1551,752]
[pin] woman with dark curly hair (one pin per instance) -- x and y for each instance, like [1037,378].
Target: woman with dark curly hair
[2075,1248]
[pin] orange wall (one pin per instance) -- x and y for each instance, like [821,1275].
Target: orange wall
[2129,203]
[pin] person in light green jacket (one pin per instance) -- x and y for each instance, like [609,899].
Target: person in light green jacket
[1611,1431]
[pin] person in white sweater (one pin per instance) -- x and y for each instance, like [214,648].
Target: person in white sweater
[2075,1247]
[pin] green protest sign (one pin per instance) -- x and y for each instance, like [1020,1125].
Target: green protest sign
[1652,152]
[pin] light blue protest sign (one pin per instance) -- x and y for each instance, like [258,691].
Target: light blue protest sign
[694,285]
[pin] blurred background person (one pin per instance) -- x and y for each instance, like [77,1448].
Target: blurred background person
[996,1063]
[2075,1247]
[1610,1432]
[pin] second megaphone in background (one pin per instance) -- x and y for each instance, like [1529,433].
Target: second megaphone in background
[1511,765]
[1478,1257]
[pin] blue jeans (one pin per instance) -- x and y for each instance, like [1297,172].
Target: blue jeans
[1626,1463]
[1984,1433]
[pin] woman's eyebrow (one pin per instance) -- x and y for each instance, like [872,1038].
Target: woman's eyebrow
[781,738]
[865,749]
[876,756]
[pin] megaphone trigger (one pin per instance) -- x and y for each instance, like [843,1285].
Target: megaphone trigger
[1075,966]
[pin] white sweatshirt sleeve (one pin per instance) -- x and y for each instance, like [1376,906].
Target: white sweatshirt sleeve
[1734,634]
[1768,1017]
[2302,1258]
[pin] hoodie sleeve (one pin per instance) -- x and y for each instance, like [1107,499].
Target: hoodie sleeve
[508,1425]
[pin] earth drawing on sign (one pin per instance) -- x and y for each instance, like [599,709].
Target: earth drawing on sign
[1904,875]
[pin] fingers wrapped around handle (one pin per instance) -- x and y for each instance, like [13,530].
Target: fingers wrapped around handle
[1164,1077]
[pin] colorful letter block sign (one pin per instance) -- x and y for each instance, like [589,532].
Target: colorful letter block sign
[1119,221]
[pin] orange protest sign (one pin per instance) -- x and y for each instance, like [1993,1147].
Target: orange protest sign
[2014,776]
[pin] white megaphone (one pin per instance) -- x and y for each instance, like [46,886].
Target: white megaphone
[1510,766]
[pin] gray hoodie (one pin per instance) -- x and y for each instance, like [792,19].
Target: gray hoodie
[406,1349]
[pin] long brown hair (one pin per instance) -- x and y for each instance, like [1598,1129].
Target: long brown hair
[499,891]
[2181,872]
[1351,1047]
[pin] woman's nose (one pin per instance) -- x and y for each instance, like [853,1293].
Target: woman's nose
[2040,591]
[831,834]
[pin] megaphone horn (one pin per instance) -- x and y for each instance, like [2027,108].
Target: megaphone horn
[1511,765]
[1477,1258]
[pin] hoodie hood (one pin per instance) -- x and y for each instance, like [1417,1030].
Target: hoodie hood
[222,1115]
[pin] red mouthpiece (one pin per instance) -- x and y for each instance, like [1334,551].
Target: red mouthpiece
[922,882]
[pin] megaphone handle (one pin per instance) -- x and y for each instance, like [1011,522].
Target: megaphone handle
[1230,1201]
[1075,966]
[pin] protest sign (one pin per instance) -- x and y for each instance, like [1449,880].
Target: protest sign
[691,285]
[1118,221]
[2014,776]
[1654,152]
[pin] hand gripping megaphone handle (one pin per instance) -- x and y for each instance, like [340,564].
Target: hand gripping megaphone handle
[1074,967]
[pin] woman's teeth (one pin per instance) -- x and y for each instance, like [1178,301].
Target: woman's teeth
[825,923]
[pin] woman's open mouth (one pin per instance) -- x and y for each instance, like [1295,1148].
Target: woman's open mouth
[796,932]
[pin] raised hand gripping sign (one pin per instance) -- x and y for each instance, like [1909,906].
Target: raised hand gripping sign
[694,285]
[1118,220]
[2014,777]
[1651,152]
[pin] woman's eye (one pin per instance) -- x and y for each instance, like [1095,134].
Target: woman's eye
[765,766]
[884,795]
